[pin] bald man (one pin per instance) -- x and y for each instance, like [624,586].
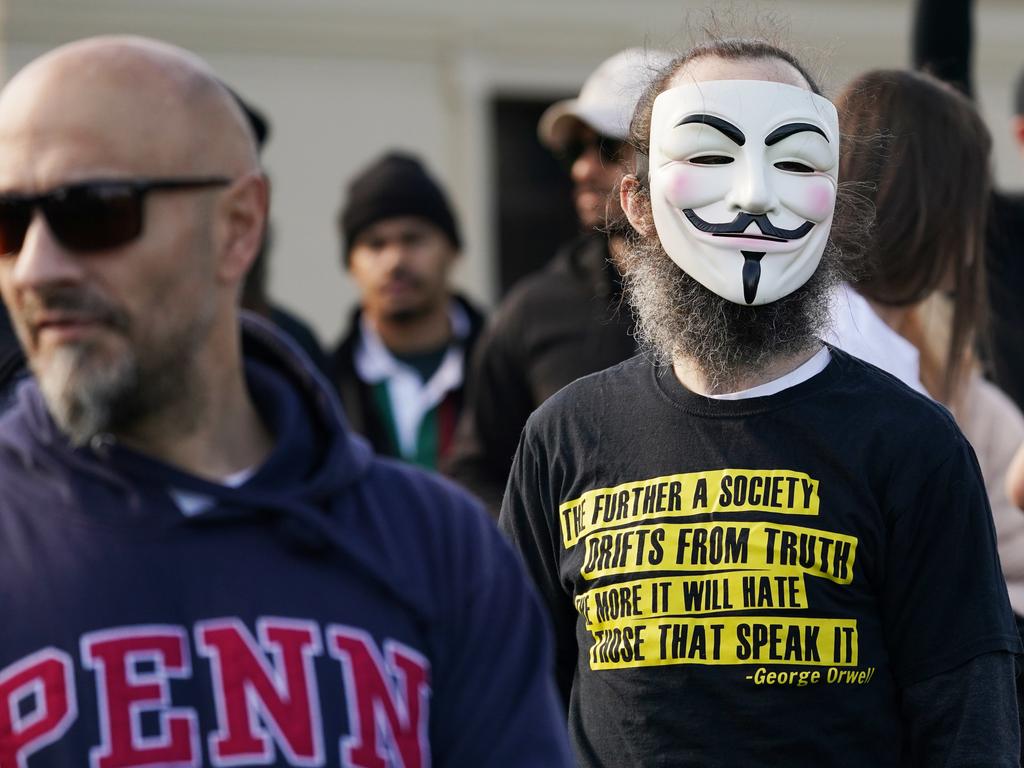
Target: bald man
[199,566]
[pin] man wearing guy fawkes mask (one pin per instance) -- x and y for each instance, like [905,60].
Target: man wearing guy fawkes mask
[734,275]
[756,549]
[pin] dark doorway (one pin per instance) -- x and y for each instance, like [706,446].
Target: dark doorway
[534,196]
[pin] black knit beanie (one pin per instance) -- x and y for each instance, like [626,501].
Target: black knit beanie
[395,185]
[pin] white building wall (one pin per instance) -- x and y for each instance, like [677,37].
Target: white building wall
[343,80]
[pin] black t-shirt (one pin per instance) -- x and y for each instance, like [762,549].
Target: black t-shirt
[753,582]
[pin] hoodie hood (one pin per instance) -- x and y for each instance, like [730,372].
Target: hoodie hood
[320,488]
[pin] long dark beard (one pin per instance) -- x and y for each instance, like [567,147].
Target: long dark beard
[678,317]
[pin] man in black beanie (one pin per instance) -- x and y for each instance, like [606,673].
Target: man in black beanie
[400,368]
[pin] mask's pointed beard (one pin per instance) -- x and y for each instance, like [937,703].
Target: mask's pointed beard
[751,274]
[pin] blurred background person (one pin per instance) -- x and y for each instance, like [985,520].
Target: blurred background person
[919,150]
[942,46]
[254,289]
[568,319]
[401,367]
[12,359]
[255,299]
[1015,479]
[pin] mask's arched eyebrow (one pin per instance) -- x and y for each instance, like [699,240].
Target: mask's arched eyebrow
[787,130]
[733,133]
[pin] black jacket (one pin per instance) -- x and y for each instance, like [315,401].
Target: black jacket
[556,325]
[357,395]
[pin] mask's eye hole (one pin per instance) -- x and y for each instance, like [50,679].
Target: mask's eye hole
[711,160]
[794,167]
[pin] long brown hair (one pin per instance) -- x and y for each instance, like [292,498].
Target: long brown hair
[920,152]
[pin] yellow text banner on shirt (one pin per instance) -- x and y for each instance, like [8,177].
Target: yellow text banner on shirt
[692,595]
[719,546]
[696,493]
[725,640]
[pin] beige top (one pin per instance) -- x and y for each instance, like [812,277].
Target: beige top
[995,427]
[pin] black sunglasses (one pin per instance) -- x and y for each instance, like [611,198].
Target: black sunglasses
[88,215]
[608,150]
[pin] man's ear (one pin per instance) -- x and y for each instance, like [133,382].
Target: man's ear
[636,205]
[243,221]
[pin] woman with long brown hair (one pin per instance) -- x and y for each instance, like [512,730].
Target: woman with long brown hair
[918,150]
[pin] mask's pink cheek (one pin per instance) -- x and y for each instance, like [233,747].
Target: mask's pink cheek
[819,200]
[679,187]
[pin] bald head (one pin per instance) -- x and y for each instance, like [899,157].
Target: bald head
[145,159]
[131,104]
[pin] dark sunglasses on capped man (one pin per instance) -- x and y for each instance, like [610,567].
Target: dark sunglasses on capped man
[88,215]
[607,149]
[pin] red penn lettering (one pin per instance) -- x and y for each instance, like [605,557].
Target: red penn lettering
[265,690]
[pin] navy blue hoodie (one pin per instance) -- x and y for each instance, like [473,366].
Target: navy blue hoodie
[335,609]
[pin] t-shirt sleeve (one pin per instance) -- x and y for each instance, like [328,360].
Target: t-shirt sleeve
[496,703]
[943,600]
[528,519]
[965,717]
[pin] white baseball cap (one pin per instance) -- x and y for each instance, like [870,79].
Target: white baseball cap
[608,97]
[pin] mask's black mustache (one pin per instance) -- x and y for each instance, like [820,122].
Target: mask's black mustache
[742,221]
[751,274]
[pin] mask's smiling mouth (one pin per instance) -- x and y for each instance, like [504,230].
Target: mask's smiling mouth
[737,227]
[750,237]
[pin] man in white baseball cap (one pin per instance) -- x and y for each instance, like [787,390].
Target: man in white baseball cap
[566,320]
[589,131]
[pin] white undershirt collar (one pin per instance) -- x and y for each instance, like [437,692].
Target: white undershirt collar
[815,365]
[192,504]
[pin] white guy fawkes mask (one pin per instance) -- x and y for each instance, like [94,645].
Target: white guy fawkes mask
[743,180]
